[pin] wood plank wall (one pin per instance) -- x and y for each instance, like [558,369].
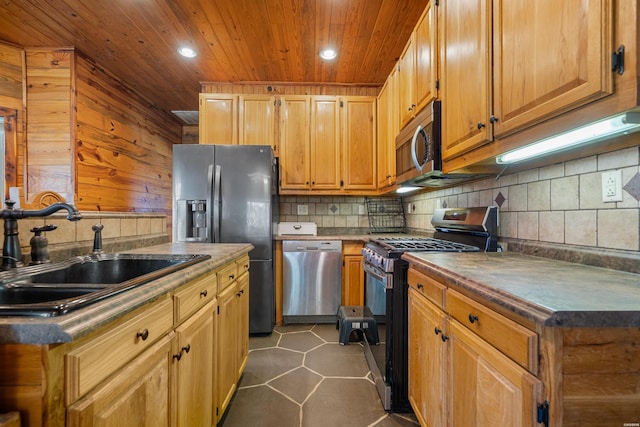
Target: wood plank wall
[123,148]
[12,107]
[109,147]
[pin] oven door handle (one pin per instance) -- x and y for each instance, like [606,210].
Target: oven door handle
[383,277]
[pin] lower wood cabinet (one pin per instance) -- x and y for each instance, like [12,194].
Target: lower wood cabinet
[173,362]
[352,273]
[138,395]
[456,378]
[193,358]
[232,345]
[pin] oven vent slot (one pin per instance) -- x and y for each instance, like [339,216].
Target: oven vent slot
[386,215]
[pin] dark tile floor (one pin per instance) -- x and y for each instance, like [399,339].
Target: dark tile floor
[300,376]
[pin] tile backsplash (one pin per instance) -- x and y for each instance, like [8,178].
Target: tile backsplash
[560,204]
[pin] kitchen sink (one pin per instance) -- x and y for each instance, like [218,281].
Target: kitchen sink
[53,289]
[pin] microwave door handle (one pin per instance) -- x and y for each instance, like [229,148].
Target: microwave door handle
[414,149]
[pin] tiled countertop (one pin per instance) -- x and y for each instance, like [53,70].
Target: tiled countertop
[548,292]
[68,327]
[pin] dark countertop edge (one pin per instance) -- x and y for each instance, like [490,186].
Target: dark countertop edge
[525,308]
[69,327]
[521,307]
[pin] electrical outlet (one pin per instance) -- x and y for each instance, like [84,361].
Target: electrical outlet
[612,186]
[303,210]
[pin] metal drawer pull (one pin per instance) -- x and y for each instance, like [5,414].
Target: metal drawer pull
[184,349]
[144,334]
[437,330]
[444,338]
[473,318]
[420,286]
[232,276]
[203,293]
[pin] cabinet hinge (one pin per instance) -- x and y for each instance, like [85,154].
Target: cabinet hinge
[437,84]
[218,308]
[341,104]
[543,413]
[617,60]
[341,183]
[437,3]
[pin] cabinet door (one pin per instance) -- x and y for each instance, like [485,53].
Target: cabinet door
[226,348]
[352,280]
[487,388]
[325,143]
[550,56]
[427,361]
[426,51]
[257,120]
[294,143]
[359,143]
[194,368]
[406,82]
[388,125]
[466,75]
[138,395]
[242,309]
[218,119]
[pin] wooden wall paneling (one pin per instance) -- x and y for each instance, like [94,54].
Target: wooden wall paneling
[12,88]
[49,150]
[124,146]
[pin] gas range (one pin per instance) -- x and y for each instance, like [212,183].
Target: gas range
[382,252]
[457,230]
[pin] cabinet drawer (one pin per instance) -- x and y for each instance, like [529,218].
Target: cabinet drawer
[511,338]
[243,265]
[89,364]
[430,288]
[192,296]
[226,275]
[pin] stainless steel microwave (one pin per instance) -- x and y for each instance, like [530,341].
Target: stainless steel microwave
[419,152]
[418,145]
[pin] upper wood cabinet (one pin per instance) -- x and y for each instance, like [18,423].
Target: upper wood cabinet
[359,142]
[388,127]
[295,115]
[526,62]
[418,67]
[328,144]
[218,118]
[325,143]
[257,120]
[238,119]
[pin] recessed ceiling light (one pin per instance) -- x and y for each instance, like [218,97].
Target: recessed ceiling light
[187,52]
[328,54]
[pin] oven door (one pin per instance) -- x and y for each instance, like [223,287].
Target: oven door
[375,292]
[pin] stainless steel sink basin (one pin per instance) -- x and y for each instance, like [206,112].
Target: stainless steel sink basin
[54,289]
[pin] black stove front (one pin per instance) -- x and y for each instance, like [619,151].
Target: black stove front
[386,292]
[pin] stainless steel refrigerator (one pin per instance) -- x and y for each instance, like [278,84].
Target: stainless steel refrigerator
[228,194]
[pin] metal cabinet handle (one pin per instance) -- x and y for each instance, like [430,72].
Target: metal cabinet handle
[473,318]
[480,125]
[184,349]
[420,286]
[143,334]
[203,293]
[493,119]
[437,330]
[444,338]
[232,276]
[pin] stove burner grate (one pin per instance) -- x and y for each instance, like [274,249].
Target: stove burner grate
[414,244]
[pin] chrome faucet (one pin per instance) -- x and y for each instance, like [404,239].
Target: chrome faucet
[11,253]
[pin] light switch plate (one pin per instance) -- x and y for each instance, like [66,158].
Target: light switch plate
[612,186]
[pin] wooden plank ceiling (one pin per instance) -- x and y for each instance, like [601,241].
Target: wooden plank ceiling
[236,40]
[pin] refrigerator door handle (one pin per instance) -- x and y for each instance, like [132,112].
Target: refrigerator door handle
[217,204]
[209,203]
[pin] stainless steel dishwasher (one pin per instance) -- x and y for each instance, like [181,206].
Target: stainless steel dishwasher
[311,280]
